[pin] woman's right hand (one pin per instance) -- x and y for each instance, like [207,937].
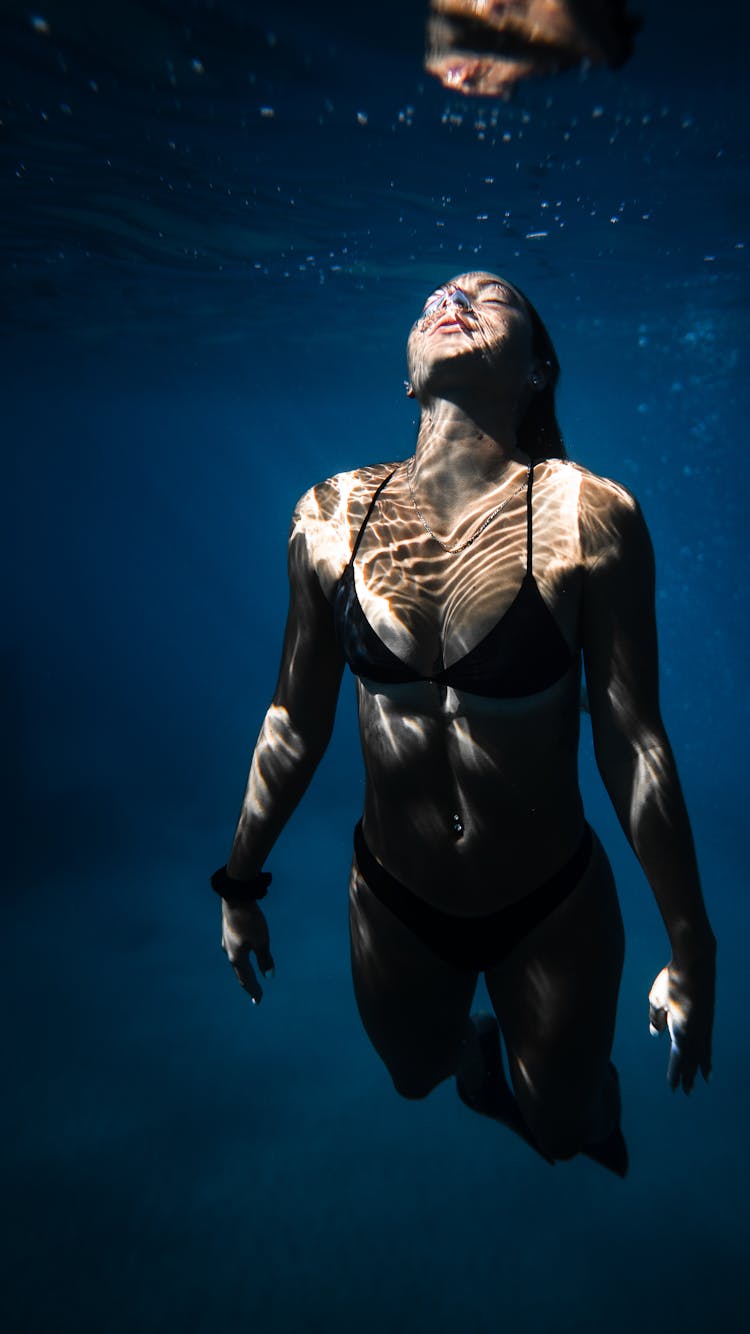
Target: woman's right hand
[245,932]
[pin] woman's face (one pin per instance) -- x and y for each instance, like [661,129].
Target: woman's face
[473,324]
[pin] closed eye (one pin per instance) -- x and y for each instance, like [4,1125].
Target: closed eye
[498,295]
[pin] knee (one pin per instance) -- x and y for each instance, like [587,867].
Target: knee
[558,1142]
[564,1114]
[413,1085]
[560,1133]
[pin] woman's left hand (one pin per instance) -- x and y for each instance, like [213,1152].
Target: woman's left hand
[682,1002]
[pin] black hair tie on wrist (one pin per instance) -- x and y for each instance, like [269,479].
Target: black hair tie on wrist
[237,892]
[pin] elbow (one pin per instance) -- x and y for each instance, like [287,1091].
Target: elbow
[300,737]
[639,780]
[626,738]
[643,758]
[284,760]
[302,714]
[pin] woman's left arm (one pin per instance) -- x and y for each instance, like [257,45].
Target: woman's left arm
[637,766]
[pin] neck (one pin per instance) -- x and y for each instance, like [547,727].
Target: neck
[463,450]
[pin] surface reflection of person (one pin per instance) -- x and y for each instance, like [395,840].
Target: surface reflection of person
[463,587]
[484,47]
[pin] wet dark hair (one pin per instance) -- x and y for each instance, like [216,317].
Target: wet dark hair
[539,434]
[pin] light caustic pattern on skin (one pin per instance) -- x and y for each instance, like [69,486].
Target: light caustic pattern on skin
[278,748]
[489,314]
[638,718]
[430,751]
[652,763]
[428,606]
[485,47]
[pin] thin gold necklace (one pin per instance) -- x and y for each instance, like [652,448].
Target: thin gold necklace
[456,551]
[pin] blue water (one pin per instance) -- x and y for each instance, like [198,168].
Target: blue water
[204,311]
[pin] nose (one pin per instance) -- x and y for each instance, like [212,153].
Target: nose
[457,297]
[451,295]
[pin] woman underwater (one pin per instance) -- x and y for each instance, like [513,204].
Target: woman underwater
[463,587]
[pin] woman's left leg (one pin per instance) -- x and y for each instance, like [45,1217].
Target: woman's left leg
[555,998]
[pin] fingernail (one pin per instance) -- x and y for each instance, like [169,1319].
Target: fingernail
[653,1031]
[271,972]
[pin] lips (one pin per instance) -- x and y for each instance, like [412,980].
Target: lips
[450,324]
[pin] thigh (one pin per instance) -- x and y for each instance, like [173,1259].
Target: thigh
[413,1005]
[555,998]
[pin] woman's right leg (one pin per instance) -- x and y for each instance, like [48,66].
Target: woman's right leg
[415,1008]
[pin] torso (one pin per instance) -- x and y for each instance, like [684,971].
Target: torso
[470,801]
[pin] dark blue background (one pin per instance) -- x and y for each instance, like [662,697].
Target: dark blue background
[204,311]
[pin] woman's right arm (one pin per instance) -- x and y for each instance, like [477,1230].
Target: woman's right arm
[292,741]
[299,721]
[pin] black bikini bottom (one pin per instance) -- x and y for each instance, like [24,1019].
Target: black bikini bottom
[475,943]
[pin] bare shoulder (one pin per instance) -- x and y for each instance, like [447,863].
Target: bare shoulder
[333,500]
[328,515]
[610,521]
[603,493]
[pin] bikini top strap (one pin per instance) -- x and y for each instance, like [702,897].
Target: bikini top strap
[529,526]
[366,519]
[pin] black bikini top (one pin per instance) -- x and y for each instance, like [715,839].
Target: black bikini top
[524,653]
